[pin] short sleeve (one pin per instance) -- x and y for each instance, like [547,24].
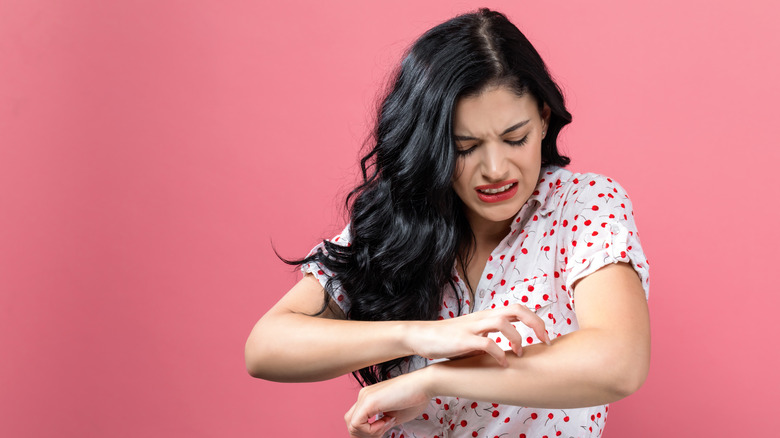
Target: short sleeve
[603,230]
[323,274]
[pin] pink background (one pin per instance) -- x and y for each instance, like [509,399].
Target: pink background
[151,152]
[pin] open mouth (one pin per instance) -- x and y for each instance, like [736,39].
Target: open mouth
[497,190]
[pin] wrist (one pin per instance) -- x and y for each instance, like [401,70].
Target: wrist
[427,380]
[406,331]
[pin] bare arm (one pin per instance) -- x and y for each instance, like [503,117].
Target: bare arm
[289,345]
[607,359]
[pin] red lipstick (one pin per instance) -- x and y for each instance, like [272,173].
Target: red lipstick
[508,193]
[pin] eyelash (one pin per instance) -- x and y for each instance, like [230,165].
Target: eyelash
[520,142]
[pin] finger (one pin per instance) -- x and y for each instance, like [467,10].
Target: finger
[348,415]
[513,336]
[375,429]
[531,319]
[490,347]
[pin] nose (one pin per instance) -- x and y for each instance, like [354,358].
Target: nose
[494,164]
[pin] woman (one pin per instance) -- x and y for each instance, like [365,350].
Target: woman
[451,294]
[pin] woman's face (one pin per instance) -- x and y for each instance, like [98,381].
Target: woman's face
[498,136]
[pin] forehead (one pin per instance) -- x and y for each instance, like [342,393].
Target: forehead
[492,111]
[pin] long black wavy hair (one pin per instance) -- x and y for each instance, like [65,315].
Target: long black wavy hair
[407,225]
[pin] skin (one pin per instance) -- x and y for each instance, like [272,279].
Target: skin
[288,345]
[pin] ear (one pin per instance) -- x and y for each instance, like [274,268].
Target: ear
[545,116]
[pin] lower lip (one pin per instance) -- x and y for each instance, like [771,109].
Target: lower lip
[498,197]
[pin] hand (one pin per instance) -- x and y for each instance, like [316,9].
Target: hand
[467,335]
[399,399]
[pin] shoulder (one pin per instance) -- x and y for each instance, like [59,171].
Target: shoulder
[587,192]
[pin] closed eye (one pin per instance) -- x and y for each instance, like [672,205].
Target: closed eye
[520,142]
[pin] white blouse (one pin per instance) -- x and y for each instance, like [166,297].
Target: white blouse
[572,225]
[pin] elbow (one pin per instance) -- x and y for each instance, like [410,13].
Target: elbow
[253,359]
[629,374]
[629,382]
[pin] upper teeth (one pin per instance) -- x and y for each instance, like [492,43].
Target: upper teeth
[498,190]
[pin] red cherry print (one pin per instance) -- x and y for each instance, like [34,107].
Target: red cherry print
[593,183]
[593,418]
[498,339]
[502,257]
[595,208]
[609,179]
[603,225]
[565,222]
[612,216]
[530,340]
[598,415]
[452,315]
[574,243]
[623,254]
[550,415]
[489,276]
[545,297]
[587,223]
[535,218]
[425,416]
[495,405]
[512,259]
[595,233]
[576,181]
[568,321]
[550,316]
[506,303]
[490,259]
[492,306]
[516,220]
[556,274]
[474,405]
[546,248]
[496,414]
[590,244]
[438,401]
[574,228]
[563,251]
[533,414]
[506,420]
[566,419]
[536,192]
[601,195]
[524,251]
[503,282]
[341,298]
[474,434]
[530,287]
[320,272]
[522,435]
[446,407]
[552,232]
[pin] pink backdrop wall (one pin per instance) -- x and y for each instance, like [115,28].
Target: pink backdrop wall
[151,151]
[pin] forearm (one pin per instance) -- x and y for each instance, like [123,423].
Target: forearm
[584,368]
[299,348]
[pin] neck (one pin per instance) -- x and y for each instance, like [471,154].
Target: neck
[488,233]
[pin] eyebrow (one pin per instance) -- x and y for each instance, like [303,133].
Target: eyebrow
[507,131]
